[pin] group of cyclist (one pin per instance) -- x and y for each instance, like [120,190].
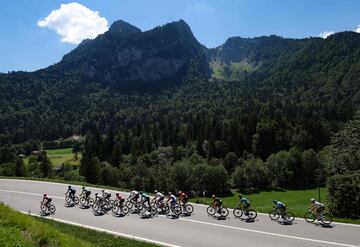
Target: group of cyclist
[315,207]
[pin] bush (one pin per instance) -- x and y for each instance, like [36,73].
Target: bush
[73,176]
[253,175]
[344,195]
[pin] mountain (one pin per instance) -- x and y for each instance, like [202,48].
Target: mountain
[258,95]
[126,58]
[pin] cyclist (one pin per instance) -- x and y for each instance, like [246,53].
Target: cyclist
[71,191]
[159,197]
[120,198]
[172,199]
[105,195]
[244,203]
[85,192]
[216,203]
[46,200]
[183,197]
[145,198]
[316,207]
[134,195]
[281,207]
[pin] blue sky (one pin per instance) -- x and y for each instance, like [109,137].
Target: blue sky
[27,44]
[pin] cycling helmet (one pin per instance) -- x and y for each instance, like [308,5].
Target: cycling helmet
[274,201]
[180,192]
[312,200]
[213,196]
[117,194]
[169,193]
[96,194]
[83,187]
[141,192]
[156,191]
[102,191]
[45,194]
[69,186]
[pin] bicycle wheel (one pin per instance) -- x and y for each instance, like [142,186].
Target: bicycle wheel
[90,201]
[177,209]
[189,208]
[43,208]
[252,214]
[309,217]
[115,209]
[96,207]
[210,210]
[76,200]
[237,212]
[52,208]
[139,206]
[82,201]
[224,212]
[274,215]
[165,209]
[68,199]
[326,219]
[124,209]
[129,204]
[289,217]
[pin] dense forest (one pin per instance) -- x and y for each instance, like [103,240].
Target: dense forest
[252,114]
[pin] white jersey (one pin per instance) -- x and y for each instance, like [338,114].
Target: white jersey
[133,193]
[317,204]
[158,195]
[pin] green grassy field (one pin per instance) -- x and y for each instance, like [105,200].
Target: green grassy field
[17,229]
[60,156]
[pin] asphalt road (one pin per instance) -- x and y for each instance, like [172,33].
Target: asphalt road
[197,230]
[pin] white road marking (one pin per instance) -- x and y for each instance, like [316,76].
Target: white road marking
[107,231]
[207,223]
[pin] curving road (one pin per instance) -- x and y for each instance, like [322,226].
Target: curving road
[197,230]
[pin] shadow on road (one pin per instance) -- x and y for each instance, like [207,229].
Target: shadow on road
[44,214]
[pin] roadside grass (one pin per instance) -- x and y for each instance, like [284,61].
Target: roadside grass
[17,229]
[296,200]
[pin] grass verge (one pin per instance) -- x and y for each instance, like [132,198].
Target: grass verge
[17,229]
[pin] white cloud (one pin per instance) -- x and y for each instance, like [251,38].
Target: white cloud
[75,22]
[358,29]
[326,34]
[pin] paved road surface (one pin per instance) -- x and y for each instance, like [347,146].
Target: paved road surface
[197,230]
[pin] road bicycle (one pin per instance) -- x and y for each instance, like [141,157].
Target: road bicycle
[285,215]
[47,208]
[324,218]
[71,199]
[239,211]
[186,208]
[213,209]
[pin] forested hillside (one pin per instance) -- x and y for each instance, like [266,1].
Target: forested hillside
[158,102]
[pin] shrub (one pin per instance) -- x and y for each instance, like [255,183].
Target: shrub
[344,195]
